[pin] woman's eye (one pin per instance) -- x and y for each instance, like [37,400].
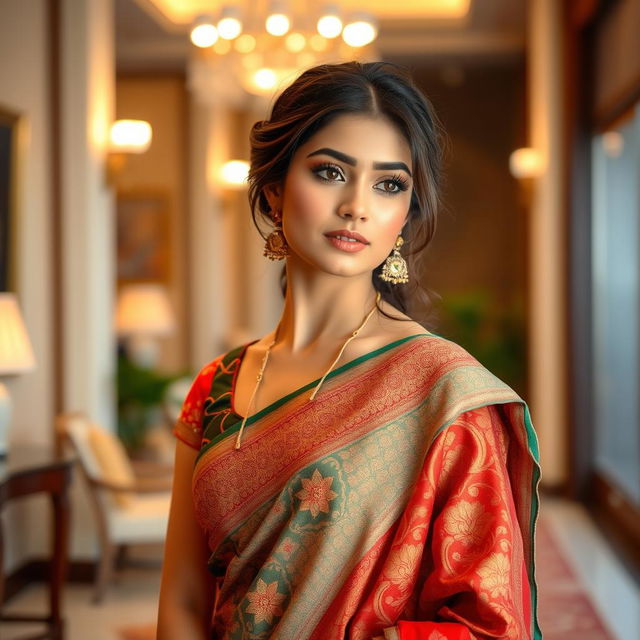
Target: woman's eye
[390,186]
[329,173]
[396,184]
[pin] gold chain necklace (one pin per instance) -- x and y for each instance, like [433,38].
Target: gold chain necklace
[265,359]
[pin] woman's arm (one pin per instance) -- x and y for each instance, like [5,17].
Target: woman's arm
[187,590]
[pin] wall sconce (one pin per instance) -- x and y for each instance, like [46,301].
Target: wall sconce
[127,137]
[234,174]
[526,163]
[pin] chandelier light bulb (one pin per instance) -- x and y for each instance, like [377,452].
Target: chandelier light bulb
[329,26]
[360,31]
[295,42]
[245,43]
[277,24]
[229,25]
[265,78]
[229,28]
[204,34]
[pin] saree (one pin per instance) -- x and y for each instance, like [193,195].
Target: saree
[400,503]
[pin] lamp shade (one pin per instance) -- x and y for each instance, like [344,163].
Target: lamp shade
[16,354]
[144,309]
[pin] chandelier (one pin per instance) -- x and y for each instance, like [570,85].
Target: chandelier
[260,51]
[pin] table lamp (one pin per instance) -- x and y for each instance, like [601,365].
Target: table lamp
[143,314]
[16,356]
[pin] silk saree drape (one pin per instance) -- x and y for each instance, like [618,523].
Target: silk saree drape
[400,503]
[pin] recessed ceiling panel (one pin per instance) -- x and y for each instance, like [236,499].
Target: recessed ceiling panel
[184,11]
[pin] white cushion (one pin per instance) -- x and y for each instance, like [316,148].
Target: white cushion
[113,461]
[144,519]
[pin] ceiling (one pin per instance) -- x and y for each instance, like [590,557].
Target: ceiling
[153,34]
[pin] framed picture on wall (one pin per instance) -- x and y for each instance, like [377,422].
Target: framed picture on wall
[8,144]
[143,237]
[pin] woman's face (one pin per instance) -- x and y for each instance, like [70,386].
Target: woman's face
[352,179]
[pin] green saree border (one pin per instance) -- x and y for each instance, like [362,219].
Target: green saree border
[278,403]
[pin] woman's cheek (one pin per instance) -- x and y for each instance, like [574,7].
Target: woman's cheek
[305,200]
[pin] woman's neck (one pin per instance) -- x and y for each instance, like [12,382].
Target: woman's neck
[321,310]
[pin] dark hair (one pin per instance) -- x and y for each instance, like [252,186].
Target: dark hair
[321,94]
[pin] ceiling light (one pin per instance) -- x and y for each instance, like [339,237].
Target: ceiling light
[204,34]
[295,42]
[245,43]
[265,79]
[329,25]
[277,22]
[360,31]
[229,25]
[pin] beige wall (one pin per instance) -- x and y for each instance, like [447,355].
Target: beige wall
[86,71]
[24,90]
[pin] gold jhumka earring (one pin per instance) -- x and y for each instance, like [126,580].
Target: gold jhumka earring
[275,246]
[395,269]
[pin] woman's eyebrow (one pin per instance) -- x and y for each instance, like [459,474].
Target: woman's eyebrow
[350,160]
[338,155]
[388,166]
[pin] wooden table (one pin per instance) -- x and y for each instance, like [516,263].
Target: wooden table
[29,470]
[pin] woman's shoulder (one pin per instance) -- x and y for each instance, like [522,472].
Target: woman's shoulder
[458,371]
[221,363]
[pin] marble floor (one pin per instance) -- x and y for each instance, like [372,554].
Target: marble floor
[614,594]
[132,598]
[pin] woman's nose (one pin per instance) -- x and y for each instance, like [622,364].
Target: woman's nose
[354,207]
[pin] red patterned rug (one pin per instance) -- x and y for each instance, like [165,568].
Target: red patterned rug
[564,609]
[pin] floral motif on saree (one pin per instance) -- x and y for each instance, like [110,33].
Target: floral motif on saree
[400,502]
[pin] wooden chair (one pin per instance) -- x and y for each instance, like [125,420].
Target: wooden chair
[129,507]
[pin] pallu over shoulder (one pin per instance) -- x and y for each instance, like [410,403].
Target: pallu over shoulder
[400,503]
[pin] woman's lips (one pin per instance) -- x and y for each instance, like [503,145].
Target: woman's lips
[346,240]
[349,246]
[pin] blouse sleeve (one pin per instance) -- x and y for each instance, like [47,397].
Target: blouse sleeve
[188,427]
[474,581]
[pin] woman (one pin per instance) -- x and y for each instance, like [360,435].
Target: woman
[350,475]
